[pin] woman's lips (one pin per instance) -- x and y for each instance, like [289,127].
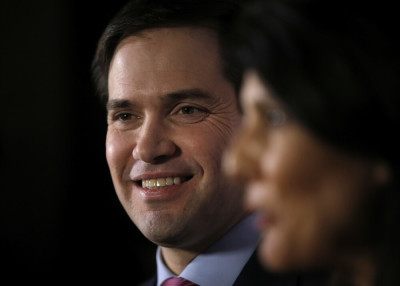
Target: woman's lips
[264,220]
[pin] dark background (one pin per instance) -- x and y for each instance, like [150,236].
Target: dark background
[60,220]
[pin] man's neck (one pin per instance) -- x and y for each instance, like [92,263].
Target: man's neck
[177,259]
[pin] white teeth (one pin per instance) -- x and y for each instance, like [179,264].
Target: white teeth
[161,182]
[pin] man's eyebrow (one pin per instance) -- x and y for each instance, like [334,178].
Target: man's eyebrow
[118,103]
[174,96]
[183,94]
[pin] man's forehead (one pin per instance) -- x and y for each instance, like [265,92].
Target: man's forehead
[169,48]
[172,39]
[187,60]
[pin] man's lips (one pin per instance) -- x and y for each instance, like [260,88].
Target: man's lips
[162,182]
[162,188]
[157,181]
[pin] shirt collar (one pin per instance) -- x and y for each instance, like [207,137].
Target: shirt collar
[222,262]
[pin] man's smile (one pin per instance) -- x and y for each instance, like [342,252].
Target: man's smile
[162,182]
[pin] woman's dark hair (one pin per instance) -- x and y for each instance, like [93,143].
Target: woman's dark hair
[140,15]
[335,65]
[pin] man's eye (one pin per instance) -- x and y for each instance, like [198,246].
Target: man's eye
[189,110]
[188,114]
[123,116]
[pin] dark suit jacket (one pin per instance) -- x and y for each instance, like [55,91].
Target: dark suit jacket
[254,274]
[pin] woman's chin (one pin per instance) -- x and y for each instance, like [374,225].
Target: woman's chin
[272,256]
[278,256]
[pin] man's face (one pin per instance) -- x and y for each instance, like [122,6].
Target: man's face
[171,115]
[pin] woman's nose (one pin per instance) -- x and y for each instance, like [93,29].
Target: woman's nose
[241,161]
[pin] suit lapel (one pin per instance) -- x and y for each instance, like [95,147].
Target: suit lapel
[149,282]
[254,274]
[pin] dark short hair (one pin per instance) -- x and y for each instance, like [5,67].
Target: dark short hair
[140,15]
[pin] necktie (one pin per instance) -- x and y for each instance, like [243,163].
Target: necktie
[178,281]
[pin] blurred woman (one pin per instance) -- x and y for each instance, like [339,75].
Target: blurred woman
[318,148]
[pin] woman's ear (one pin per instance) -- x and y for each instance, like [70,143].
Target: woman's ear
[381,173]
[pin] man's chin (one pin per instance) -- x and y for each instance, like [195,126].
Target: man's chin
[162,232]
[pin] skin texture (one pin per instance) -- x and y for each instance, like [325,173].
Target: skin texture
[310,197]
[172,113]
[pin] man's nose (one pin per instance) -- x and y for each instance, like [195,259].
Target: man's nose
[153,143]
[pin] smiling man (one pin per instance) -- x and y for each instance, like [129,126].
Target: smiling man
[171,114]
[172,111]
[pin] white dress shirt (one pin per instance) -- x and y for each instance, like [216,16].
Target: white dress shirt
[222,262]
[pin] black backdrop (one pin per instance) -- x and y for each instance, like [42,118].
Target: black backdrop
[60,220]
